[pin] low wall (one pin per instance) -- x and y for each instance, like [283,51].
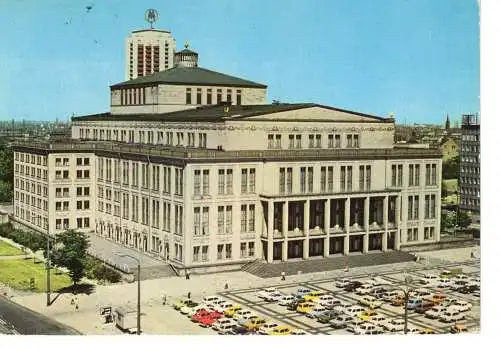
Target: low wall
[442,245]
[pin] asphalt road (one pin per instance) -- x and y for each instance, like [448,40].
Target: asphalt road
[15,319]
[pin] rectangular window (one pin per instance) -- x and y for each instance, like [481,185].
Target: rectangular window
[205,221]
[342,178]
[337,141]
[238,97]
[220,219]
[188,95]
[229,182]
[206,188]
[302,179]
[318,141]
[221,182]
[433,174]
[198,96]
[349,141]
[289,179]
[244,180]
[330,178]
[282,179]
[251,218]
[197,221]
[291,141]
[330,141]
[229,250]
[311,141]
[310,179]
[355,141]
[197,182]
[220,251]
[394,174]
[251,182]
[427,174]
[229,98]
[219,96]
[209,96]
[410,176]
[243,218]
[400,175]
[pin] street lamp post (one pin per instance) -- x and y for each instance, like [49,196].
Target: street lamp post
[406,291]
[47,266]
[138,290]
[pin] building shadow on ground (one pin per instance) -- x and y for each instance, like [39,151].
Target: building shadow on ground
[77,289]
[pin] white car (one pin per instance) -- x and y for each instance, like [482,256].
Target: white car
[296,331]
[266,292]
[217,303]
[242,313]
[378,320]
[330,304]
[364,289]
[394,325]
[370,302]
[196,309]
[462,306]
[462,277]
[223,322]
[325,299]
[340,321]
[301,292]
[267,327]
[429,279]
[353,323]
[390,295]
[341,308]
[378,281]
[286,300]
[222,307]
[365,328]
[226,328]
[435,312]
[273,297]
[186,310]
[341,283]
[354,310]
[420,293]
[451,315]
[412,330]
[444,282]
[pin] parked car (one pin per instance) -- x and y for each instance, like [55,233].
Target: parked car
[231,311]
[324,299]
[450,273]
[378,292]
[467,289]
[354,310]
[273,297]
[340,321]
[341,308]
[210,299]
[238,329]
[427,331]
[477,293]
[327,316]
[423,307]
[364,289]
[267,327]
[313,296]
[371,302]
[457,284]
[209,319]
[341,283]
[367,315]
[390,295]
[244,319]
[378,319]
[414,302]
[330,304]
[280,331]
[242,313]
[394,325]
[445,282]
[420,293]
[352,286]
[254,324]
[378,281]
[437,298]
[435,312]
[305,307]
[412,330]
[196,309]
[180,303]
[316,311]
[217,303]
[187,307]
[398,301]
[222,323]
[462,277]
[355,322]
[266,292]
[429,279]
[222,307]
[451,315]
[286,300]
[462,306]
[458,329]
[365,328]
[301,292]
[200,314]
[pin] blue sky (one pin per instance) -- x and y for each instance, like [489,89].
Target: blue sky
[418,59]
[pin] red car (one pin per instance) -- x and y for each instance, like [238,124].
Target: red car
[200,314]
[209,319]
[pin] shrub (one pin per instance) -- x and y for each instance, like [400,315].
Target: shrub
[102,272]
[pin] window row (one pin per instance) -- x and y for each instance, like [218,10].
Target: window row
[414,207]
[201,183]
[314,141]
[413,175]
[30,171]
[201,220]
[31,187]
[32,217]
[413,234]
[31,200]
[170,138]
[195,96]
[31,158]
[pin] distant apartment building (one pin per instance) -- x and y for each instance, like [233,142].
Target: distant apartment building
[148,51]
[470,164]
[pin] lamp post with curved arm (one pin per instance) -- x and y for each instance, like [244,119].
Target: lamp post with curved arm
[406,291]
[138,289]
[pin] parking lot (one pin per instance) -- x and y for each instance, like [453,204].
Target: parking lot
[271,311]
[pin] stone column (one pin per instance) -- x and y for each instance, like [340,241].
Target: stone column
[326,245]
[284,248]
[306,229]
[367,214]
[397,242]
[270,229]
[347,224]
[365,242]
[386,222]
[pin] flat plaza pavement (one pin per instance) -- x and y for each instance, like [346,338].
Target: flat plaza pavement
[159,319]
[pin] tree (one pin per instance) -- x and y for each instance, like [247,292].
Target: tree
[463,219]
[451,168]
[6,194]
[70,252]
[447,221]
[444,190]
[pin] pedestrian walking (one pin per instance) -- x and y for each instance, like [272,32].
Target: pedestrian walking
[76,303]
[226,286]
[164,298]
[283,275]
[187,274]
[189,295]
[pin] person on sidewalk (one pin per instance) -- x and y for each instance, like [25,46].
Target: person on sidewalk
[164,299]
[189,295]
[283,276]
[187,274]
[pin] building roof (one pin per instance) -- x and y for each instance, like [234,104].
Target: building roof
[187,51]
[221,113]
[190,76]
[150,30]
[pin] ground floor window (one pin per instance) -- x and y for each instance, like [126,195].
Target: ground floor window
[412,234]
[428,233]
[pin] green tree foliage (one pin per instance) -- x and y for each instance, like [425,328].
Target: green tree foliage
[29,239]
[463,220]
[6,172]
[451,168]
[70,252]
[444,191]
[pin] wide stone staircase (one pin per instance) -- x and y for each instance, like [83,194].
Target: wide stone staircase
[267,270]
